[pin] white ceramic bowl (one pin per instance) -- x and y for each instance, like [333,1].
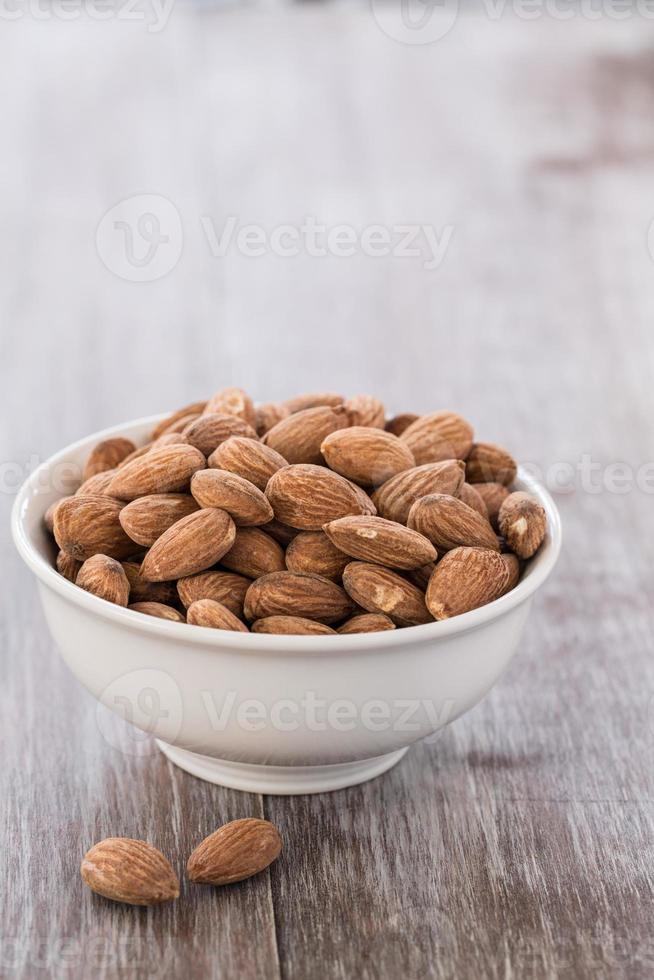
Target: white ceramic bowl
[271,714]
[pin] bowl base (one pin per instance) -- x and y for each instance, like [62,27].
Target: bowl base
[279,780]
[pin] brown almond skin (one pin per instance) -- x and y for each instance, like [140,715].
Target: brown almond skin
[449,523]
[297,594]
[254,553]
[159,610]
[167,424]
[400,423]
[97,483]
[465,579]
[313,552]
[207,612]
[395,498]
[243,501]
[380,590]
[298,438]
[88,525]
[489,463]
[374,539]
[164,469]
[226,588]
[420,576]
[441,435]
[48,517]
[210,431]
[493,495]
[367,623]
[146,518]
[368,456]
[268,415]
[192,544]
[164,593]
[291,626]
[104,577]
[282,533]
[366,410]
[232,401]
[523,523]
[312,400]
[130,871]
[234,852]
[468,494]
[67,566]
[513,566]
[106,455]
[307,496]
[249,458]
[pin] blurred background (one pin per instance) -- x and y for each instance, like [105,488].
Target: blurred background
[445,205]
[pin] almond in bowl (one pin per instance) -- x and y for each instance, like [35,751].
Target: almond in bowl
[315,545]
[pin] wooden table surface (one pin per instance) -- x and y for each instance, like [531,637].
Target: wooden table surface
[518,844]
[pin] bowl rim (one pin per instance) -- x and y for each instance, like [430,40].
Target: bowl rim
[538,571]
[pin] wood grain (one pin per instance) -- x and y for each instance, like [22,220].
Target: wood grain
[519,844]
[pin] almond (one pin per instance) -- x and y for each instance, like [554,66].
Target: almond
[232,401]
[131,871]
[254,553]
[106,455]
[468,494]
[395,498]
[176,427]
[223,587]
[420,576]
[146,518]
[493,495]
[141,591]
[242,500]
[297,594]
[291,626]
[400,423]
[513,566]
[367,623]
[488,463]
[104,577]
[172,438]
[97,483]
[439,436]
[207,612]
[374,539]
[166,425]
[89,525]
[307,496]
[268,415]
[523,523]
[366,410]
[248,458]
[449,523]
[465,579]
[165,469]
[313,400]
[192,544]
[48,517]
[380,590]
[298,438]
[236,851]
[67,566]
[366,455]
[159,610]
[365,502]
[313,552]
[210,431]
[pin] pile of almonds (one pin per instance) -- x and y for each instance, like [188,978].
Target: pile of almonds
[317,515]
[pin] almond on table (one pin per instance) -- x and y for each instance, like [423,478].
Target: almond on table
[319,514]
